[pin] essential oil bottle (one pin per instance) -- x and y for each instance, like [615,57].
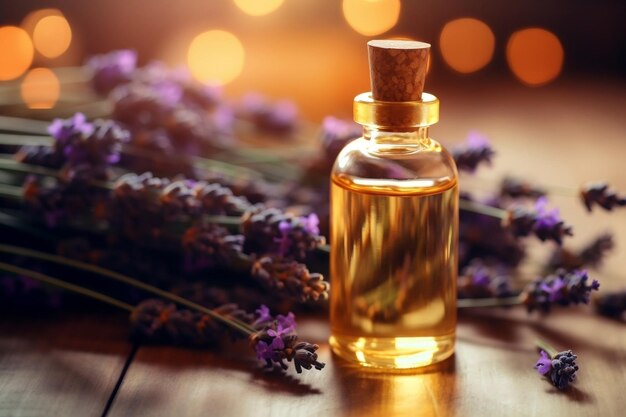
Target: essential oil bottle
[394,222]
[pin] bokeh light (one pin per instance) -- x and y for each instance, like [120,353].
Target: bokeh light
[535,55]
[216,56]
[52,36]
[31,19]
[467,44]
[16,52]
[40,88]
[371,17]
[258,7]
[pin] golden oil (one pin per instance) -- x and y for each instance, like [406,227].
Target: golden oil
[394,221]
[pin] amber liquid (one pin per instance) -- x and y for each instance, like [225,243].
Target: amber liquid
[393,269]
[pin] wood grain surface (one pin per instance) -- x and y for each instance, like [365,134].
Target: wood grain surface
[60,364]
[562,134]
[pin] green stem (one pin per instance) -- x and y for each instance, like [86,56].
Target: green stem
[483,209]
[546,347]
[15,166]
[20,140]
[11,191]
[65,285]
[488,302]
[239,325]
[18,124]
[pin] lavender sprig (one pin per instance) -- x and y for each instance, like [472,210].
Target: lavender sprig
[478,280]
[602,195]
[290,277]
[561,288]
[591,255]
[111,70]
[543,223]
[270,231]
[476,151]
[558,367]
[276,342]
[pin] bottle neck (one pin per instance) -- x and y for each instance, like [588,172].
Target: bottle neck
[417,136]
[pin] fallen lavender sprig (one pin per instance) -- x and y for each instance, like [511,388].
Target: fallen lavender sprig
[290,277]
[561,288]
[543,223]
[276,341]
[475,151]
[559,367]
[602,195]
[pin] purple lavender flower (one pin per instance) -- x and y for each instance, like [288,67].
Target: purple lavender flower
[270,231]
[112,69]
[290,278]
[66,131]
[560,369]
[545,224]
[279,117]
[477,150]
[208,246]
[478,280]
[561,288]
[544,364]
[602,195]
[277,343]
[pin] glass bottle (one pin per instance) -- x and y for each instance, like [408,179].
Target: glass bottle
[394,221]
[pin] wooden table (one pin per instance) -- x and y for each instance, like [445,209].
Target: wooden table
[82,364]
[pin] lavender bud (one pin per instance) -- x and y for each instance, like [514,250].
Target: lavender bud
[477,150]
[600,194]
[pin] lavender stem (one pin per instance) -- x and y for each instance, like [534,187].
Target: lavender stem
[65,285]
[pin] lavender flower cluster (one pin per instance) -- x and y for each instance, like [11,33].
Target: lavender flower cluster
[561,288]
[543,223]
[560,369]
[167,110]
[276,341]
[478,280]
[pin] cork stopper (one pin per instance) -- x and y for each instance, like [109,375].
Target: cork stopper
[397,69]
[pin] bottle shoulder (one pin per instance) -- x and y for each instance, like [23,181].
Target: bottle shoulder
[423,168]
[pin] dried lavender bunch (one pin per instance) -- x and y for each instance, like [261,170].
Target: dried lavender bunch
[270,231]
[591,255]
[517,188]
[476,151]
[543,223]
[478,280]
[561,288]
[290,277]
[602,195]
[559,368]
[111,70]
[279,117]
[276,341]
[611,304]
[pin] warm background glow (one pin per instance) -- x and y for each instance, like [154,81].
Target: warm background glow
[258,7]
[16,52]
[467,44]
[371,17]
[216,56]
[40,89]
[535,55]
[52,36]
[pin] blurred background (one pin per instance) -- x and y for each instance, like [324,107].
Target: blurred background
[313,51]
